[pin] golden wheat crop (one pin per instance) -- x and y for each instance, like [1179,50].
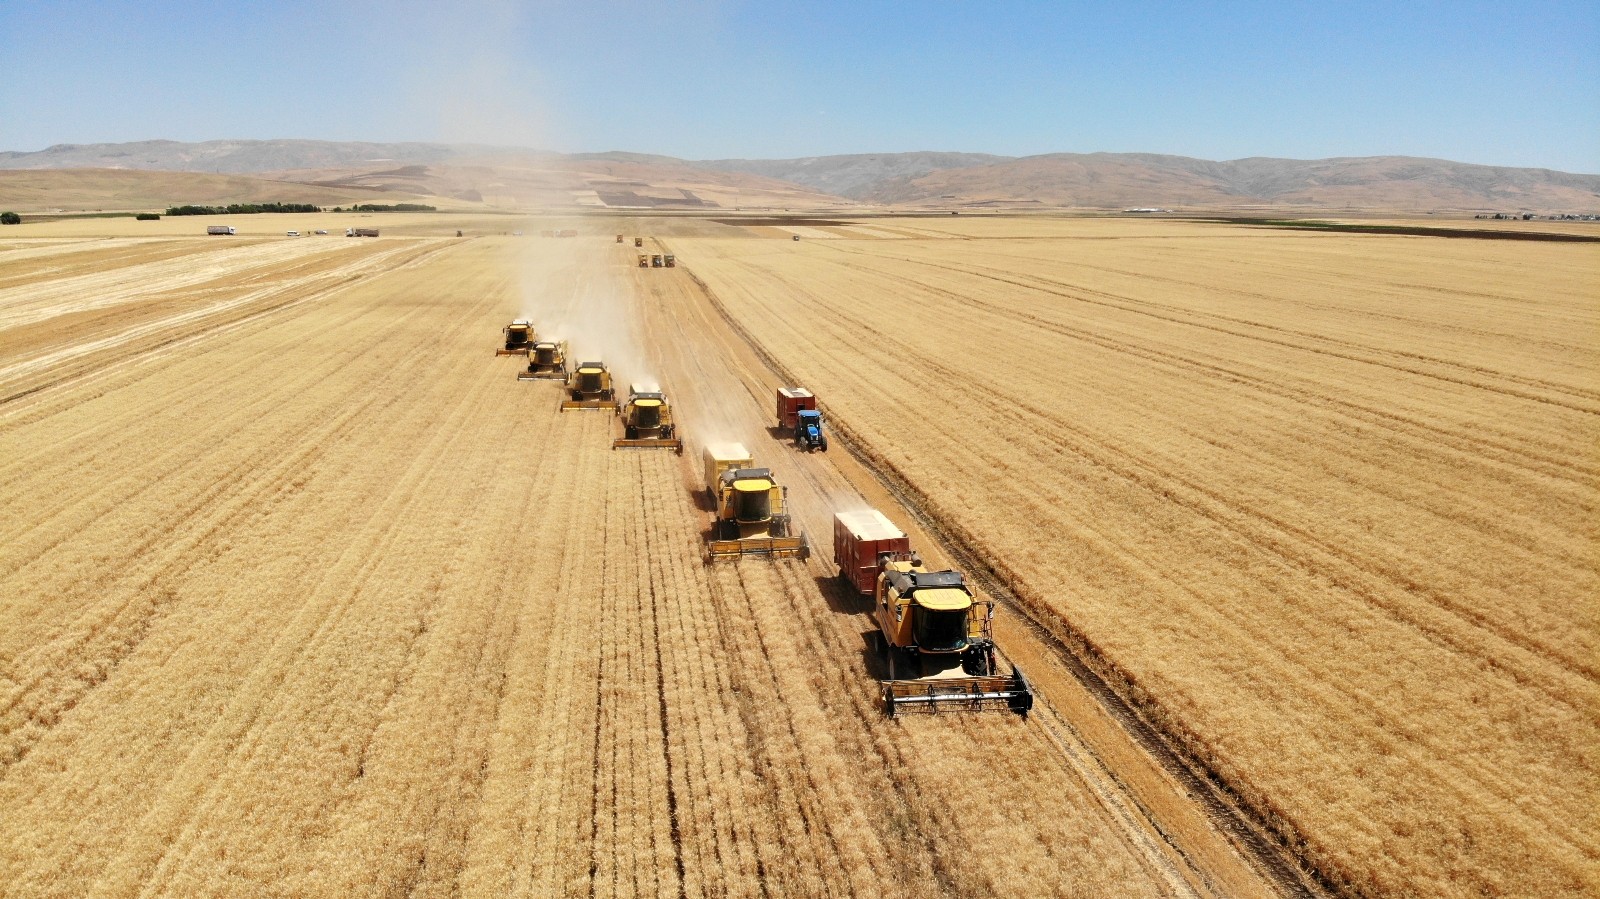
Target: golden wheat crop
[308,596]
[1325,504]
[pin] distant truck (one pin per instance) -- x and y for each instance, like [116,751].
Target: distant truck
[219,229]
[790,401]
[361,232]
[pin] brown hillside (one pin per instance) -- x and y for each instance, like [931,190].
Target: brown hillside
[545,180]
[1112,180]
[93,190]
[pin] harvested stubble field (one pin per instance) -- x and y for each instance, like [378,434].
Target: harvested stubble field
[303,594]
[1323,505]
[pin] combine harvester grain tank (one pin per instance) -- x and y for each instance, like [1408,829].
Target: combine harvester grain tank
[647,420]
[751,517]
[935,634]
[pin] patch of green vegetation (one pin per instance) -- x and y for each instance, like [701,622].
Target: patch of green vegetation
[397,207]
[242,209]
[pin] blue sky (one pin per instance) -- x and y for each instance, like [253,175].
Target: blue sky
[1501,83]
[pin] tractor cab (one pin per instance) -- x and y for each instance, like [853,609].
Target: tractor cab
[808,434]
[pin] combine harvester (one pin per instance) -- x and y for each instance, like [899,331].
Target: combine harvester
[750,518]
[935,634]
[547,361]
[519,335]
[647,420]
[589,387]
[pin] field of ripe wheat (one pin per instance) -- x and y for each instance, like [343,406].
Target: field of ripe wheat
[303,594]
[1324,505]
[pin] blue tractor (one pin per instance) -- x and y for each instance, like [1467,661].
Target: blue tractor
[808,431]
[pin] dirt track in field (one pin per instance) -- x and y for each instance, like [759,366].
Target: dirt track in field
[309,596]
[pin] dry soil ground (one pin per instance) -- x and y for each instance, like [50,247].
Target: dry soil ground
[303,593]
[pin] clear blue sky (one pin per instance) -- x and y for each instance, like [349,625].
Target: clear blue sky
[1503,83]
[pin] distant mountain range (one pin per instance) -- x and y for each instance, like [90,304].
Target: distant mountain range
[506,176]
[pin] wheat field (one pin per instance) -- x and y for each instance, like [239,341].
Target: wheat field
[303,594]
[1324,504]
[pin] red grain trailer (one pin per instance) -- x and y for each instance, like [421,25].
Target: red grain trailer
[790,401]
[858,539]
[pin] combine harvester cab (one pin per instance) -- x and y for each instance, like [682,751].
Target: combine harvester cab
[935,635]
[547,361]
[647,420]
[519,336]
[589,387]
[751,518]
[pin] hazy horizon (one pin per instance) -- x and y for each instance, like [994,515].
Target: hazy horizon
[648,153]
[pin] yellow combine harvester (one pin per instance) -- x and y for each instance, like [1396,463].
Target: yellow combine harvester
[589,387]
[519,334]
[647,420]
[546,361]
[751,518]
[939,642]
